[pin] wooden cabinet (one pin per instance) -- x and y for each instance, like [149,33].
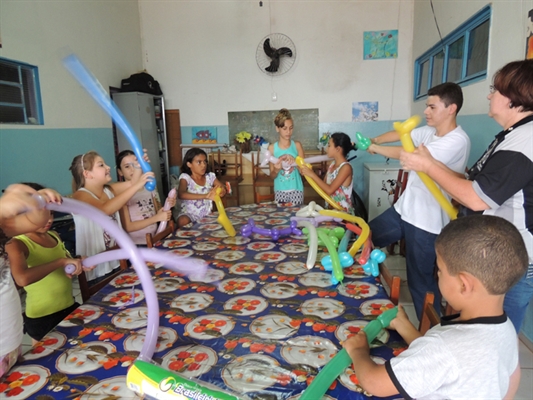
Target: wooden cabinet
[174,137]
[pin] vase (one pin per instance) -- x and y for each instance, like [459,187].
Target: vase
[246,147]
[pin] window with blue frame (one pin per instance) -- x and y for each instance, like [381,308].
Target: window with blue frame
[460,57]
[20,96]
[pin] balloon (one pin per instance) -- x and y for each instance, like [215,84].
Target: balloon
[275,233]
[342,360]
[367,247]
[70,268]
[351,218]
[317,159]
[136,258]
[316,220]
[404,129]
[335,262]
[222,216]
[163,224]
[98,93]
[343,245]
[301,162]
[363,142]
[371,267]
[345,259]
[313,243]
[311,210]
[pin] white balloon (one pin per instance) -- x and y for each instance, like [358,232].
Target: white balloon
[313,243]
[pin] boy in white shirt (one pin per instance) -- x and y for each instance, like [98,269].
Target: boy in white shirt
[473,354]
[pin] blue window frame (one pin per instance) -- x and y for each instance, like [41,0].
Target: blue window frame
[460,57]
[20,95]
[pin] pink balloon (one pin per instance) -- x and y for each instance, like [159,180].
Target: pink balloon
[137,260]
[163,224]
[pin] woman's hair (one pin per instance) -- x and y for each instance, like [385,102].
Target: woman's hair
[189,156]
[121,156]
[33,185]
[282,116]
[81,163]
[515,81]
[342,140]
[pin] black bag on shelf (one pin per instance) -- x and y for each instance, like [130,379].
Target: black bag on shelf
[141,82]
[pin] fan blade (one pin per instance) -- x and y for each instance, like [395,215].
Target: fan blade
[284,51]
[274,65]
[269,51]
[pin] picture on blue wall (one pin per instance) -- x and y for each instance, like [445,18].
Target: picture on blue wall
[365,111]
[380,44]
[204,135]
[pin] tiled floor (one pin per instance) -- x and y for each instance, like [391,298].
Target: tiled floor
[396,265]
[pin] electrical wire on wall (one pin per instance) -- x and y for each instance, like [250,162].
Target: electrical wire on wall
[436,24]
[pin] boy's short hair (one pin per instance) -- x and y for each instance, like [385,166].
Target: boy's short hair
[449,93]
[489,248]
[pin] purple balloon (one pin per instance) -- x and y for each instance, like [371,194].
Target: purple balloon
[136,258]
[70,269]
[262,231]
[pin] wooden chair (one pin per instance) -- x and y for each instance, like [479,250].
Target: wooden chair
[429,315]
[260,180]
[392,281]
[151,240]
[401,183]
[228,168]
[88,290]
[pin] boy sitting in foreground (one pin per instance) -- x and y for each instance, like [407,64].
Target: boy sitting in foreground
[473,354]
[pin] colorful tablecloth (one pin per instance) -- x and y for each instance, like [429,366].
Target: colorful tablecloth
[259,323]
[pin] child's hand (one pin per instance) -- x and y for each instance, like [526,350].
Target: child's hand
[357,344]
[145,156]
[401,320]
[51,196]
[77,262]
[19,198]
[212,193]
[222,190]
[306,171]
[146,177]
[171,201]
[163,215]
[371,149]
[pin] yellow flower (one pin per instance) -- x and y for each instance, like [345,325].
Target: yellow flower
[243,136]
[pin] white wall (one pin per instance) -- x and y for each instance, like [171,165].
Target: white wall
[507,39]
[104,35]
[203,54]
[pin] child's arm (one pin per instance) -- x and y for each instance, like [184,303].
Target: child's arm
[132,226]
[183,194]
[300,149]
[274,168]
[23,275]
[386,151]
[371,376]
[514,382]
[111,206]
[344,173]
[404,327]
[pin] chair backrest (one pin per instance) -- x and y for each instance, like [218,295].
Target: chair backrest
[401,183]
[429,315]
[152,240]
[392,281]
[88,290]
[227,167]
[261,180]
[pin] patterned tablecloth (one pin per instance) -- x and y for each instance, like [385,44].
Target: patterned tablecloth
[258,323]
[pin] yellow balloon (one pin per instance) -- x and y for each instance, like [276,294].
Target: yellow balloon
[404,129]
[222,216]
[365,229]
[301,162]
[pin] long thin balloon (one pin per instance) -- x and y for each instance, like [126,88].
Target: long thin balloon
[404,129]
[171,195]
[356,220]
[313,243]
[98,93]
[342,360]
[125,242]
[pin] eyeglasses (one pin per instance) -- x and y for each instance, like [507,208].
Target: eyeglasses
[492,89]
[133,165]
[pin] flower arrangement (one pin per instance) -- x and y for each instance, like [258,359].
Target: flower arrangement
[243,139]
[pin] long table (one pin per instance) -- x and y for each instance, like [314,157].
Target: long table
[259,323]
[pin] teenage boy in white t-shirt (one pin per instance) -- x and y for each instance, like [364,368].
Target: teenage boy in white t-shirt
[417,217]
